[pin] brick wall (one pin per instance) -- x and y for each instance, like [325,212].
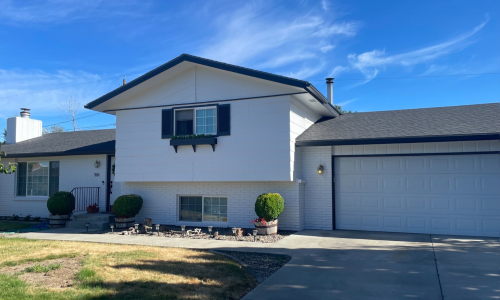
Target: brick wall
[75,171]
[161,200]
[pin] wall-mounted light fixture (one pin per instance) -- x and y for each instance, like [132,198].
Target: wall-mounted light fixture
[97,164]
[320,169]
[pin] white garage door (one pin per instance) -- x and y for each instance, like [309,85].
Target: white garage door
[442,194]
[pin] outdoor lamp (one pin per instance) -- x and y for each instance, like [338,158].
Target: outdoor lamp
[136,228]
[87,224]
[158,229]
[97,164]
[210,229]
[112,226]
[255,231]
[183,228]
[320,169]
[234,230]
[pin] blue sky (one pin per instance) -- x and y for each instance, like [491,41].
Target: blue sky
[52,50]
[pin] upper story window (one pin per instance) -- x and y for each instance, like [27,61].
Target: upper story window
[196,121]
[37,178]
[213,119]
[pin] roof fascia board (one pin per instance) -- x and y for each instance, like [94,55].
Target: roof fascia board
[402,140]
[66,153]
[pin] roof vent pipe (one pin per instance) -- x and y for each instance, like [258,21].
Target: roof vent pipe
[25,113]
[329,89]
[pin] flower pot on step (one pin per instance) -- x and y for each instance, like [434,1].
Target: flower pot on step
[124,222]
[92,210]
[270,228]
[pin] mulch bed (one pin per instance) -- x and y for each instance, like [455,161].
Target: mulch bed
[260,265]
[219,233]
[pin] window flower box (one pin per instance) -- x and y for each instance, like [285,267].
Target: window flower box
[212,141]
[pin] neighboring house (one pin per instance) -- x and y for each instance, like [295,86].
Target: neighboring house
[433,170]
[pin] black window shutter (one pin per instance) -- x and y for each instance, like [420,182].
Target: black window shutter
[224,119]
[167,123]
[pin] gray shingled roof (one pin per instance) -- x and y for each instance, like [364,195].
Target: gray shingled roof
[411,125]
[65,143]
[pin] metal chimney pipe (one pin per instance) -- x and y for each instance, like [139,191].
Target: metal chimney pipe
[329,89]
[25,113]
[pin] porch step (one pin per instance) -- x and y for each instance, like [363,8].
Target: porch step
[96,221]
[93,217]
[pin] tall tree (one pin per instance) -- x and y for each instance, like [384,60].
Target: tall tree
[70,110]
[4,136]
[53,128]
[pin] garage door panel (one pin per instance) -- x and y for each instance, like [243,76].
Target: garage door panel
[455,194]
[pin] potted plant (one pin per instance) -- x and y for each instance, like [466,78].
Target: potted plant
[93,209]
[268,207]
[126,207]
[60,206]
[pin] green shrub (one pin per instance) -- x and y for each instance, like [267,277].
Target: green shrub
[127,206]
[61,203]
[269,206]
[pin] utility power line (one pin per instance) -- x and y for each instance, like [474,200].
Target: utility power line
[72,120]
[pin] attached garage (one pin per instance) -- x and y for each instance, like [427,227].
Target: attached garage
[438,194]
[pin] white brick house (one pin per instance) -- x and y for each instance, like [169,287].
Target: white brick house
[433,170]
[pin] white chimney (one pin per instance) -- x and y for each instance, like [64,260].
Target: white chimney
[23,128]
[329,89]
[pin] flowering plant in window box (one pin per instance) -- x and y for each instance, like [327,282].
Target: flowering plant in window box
[92,209]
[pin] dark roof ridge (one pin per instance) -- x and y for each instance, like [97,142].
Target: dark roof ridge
[425,108]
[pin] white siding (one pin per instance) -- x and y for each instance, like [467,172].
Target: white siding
[75,171]
[258,148]
[161,200]
[318,188]
[301,118]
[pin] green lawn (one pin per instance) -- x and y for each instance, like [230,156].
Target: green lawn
[13,225]
[109,271]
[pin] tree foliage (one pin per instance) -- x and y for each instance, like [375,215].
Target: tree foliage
[53,128]
[343,111]
[6,169]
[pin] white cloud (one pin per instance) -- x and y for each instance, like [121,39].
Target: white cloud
[57,11]
[285,59]
[345,28]
[370,63]
[326,48]
[325,5]
[306,72]
[345,102]
[42,91]
[253,32]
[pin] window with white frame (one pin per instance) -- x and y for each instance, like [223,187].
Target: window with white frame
[199,120]
[202,209]
[37,178]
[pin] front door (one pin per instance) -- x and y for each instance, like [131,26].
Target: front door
[114,187]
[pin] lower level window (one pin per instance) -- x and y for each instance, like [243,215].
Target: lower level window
[37,178]
[200,208]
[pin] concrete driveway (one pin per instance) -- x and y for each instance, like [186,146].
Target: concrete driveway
[373,265]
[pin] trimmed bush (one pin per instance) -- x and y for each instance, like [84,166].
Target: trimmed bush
[127,206]
[269,206]
[61,203]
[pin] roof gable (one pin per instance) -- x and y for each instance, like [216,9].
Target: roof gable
[177,64]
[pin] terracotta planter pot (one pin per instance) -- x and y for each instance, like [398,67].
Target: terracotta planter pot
[124,222]
[58,221]
[92,210]
[270,228]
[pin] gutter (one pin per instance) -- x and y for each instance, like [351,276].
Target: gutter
[400,140]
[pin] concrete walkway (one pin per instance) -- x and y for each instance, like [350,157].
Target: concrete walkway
[354,264]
